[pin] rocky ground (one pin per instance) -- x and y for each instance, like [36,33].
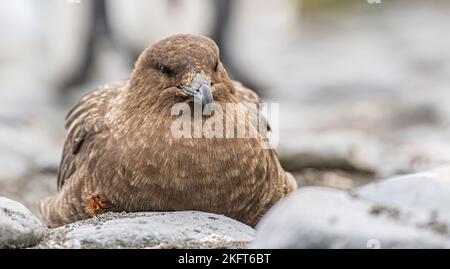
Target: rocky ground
[363,98]
[189,229]
[151,230]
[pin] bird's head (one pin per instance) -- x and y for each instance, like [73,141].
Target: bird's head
[180,68]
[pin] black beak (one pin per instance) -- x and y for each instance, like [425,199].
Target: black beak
[200,89]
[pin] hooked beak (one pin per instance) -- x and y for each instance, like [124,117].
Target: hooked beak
[200,89]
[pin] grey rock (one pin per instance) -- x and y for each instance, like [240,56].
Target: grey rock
[423,198]
[340,149]
[19,228]
[315,217]
[185,229]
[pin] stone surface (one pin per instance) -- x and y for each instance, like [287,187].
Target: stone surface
[186,229]
[423,198]
[19,228]
[404,212]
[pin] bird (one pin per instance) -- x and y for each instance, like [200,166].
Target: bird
[120,154]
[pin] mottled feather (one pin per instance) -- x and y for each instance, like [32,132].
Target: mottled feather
[83,122]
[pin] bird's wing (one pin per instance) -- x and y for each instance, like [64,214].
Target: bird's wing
[247,96]
[83,123]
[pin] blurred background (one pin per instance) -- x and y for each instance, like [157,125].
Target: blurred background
[363,86]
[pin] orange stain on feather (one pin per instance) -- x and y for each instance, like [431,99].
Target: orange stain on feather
[95,205]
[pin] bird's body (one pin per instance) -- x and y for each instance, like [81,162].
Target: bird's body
[120,153]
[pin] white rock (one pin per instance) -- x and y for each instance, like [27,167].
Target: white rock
[325,218]
[18,227]
[423,198]
[185,229]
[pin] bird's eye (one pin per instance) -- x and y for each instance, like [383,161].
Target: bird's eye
[163,70]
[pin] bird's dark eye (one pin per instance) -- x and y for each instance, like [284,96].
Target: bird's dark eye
[164,70]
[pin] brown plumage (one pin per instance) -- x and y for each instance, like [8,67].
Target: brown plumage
[120,154]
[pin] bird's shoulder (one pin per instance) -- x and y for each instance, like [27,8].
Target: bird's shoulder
[244,94]
[93,104]
[84,122]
